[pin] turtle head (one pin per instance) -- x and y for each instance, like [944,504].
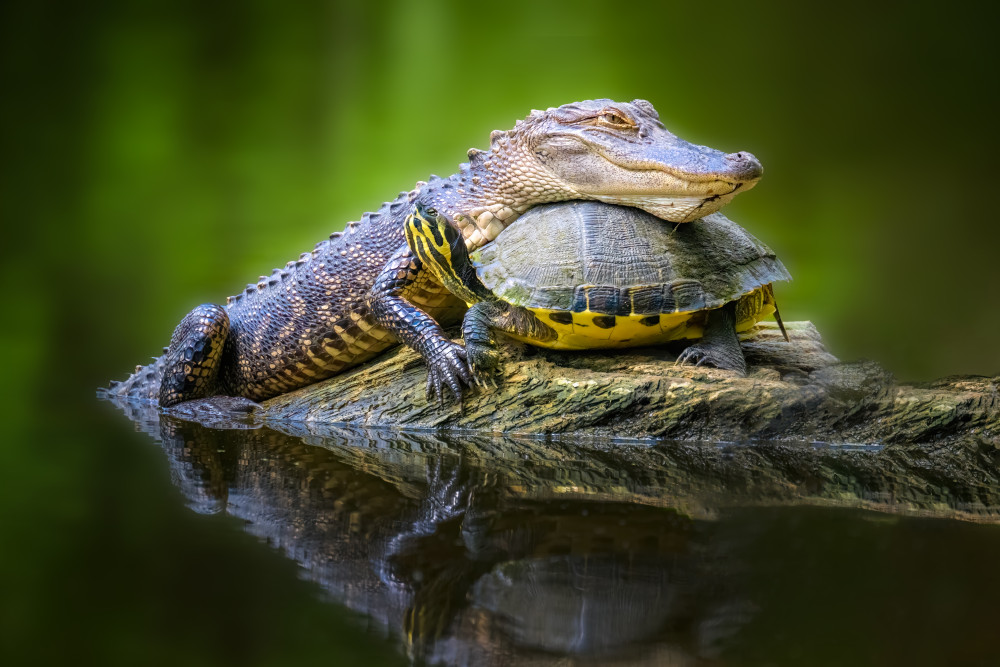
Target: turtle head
[621,153]
[440,248]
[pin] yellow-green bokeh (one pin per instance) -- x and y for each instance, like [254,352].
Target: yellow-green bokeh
[162,154]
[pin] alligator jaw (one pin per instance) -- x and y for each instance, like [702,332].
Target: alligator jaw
[598,149]
[679,208]
[619,153]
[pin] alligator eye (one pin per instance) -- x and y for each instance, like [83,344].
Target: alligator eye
[614,119]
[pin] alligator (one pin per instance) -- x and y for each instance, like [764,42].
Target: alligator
[363,290]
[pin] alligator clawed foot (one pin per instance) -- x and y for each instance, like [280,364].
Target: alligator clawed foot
[448,368]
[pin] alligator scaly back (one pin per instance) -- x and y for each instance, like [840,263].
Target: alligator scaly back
[363,290]
[269,345]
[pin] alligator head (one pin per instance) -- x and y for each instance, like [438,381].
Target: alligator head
[615,152]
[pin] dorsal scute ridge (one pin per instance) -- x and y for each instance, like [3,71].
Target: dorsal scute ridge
[402,200]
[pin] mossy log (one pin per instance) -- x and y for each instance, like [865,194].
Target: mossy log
[794,391]
[802,427]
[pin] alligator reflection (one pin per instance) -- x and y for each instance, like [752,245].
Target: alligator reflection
[469,563]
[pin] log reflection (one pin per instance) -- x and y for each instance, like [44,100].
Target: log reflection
[471,559]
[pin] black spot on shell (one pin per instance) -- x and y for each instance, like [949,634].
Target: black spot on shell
[561,318]
[651,321]
[605,321]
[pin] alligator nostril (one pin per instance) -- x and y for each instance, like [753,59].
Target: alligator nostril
[746,165]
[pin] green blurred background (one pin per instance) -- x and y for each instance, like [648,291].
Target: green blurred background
[162,154]
[157,155]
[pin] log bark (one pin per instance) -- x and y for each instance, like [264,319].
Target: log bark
[795,391]
[635,427]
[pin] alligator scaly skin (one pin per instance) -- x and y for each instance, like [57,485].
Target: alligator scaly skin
[311,319]
[363,290]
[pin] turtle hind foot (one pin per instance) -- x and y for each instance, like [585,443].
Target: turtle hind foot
[719,346]
[714,355]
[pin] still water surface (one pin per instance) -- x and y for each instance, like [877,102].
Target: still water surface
[452,550]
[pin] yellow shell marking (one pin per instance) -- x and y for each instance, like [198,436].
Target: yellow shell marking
[588,330]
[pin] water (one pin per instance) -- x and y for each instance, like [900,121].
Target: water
[324,545]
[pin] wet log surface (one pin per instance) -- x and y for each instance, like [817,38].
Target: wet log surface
[795,391]
[497,543]
[634,427]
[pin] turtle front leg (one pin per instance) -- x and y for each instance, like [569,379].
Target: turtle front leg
[719,346]
[487,317]
[446,361]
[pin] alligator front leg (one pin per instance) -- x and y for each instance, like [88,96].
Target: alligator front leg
[392,310]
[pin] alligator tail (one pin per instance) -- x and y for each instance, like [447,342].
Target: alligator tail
[143,384]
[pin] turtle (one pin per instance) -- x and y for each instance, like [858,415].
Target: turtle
[586,274]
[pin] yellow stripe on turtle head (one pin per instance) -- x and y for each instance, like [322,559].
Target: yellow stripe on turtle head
[430,237]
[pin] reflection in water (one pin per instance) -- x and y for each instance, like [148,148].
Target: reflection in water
[489,551]
[464,565]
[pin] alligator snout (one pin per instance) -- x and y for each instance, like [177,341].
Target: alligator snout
[744,166]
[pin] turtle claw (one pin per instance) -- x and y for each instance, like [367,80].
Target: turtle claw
[695,355]
[484,362]
[689,354]
[702,355]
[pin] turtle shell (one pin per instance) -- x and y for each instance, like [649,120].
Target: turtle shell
[616,260]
